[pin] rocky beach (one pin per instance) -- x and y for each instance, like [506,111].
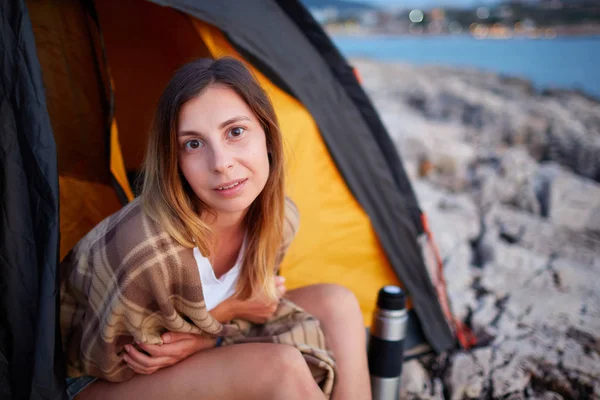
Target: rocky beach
[509,177]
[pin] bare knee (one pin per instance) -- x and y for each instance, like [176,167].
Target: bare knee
[337,301]
[291,377]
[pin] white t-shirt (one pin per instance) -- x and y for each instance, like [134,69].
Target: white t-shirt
[216,290]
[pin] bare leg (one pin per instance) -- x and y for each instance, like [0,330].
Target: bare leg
[242,371]
[341,320]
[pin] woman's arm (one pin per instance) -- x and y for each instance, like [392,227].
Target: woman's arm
[178,346]
[257,310]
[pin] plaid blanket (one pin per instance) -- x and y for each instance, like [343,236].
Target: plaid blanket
[128,279]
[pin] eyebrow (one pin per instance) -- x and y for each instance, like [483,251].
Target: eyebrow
[221,125]
[233,120]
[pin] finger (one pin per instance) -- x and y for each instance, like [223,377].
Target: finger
[141,367]
[138,368]
[280,295]
[170,337]
[155,350]
[279,280]
[170,350]
[281,289]
[207,342]
[183,348]
[141,358]
[280,284]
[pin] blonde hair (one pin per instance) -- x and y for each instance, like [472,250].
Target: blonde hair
[168,199]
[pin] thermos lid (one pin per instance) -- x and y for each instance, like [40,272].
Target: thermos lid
[391,298]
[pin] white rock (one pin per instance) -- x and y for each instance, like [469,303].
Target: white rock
[533,294]
[575,202]
[415,383]
[469,372]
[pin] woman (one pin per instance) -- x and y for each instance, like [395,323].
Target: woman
[212,200]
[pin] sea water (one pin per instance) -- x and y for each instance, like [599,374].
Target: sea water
[563,62]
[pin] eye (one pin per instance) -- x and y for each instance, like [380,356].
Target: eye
[235,132]
[193,144]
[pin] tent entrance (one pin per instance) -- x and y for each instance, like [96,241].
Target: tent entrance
[105,66]
[145,43]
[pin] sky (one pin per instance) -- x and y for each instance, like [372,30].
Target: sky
[428,3]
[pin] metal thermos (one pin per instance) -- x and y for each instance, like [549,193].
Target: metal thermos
[385,350]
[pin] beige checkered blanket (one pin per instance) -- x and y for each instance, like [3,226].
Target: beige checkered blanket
[128,279]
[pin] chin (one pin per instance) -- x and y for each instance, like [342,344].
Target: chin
[232,206]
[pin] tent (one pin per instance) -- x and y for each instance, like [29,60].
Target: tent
[80,83]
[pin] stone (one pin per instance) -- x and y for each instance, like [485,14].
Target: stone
[468,373]
[575,203]
[550,396]
[509,181]
[493,112]
[415,383]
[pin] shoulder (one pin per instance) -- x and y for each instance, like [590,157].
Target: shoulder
[130,226]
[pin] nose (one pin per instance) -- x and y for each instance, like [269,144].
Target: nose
[222,159]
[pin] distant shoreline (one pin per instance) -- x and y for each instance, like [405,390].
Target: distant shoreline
[595,36]
[591,31]
[544,91]
[568,63]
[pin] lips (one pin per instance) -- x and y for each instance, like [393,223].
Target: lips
[230,185]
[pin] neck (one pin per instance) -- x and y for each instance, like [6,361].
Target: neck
[226,226]
[228,230]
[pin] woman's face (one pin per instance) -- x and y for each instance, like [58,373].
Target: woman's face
[222,150]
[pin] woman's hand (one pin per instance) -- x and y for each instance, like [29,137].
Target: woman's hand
[176,347]
[257,310]
[280,286]
[260,309]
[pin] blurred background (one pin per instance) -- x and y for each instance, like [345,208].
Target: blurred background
[565,54]
[495,109]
